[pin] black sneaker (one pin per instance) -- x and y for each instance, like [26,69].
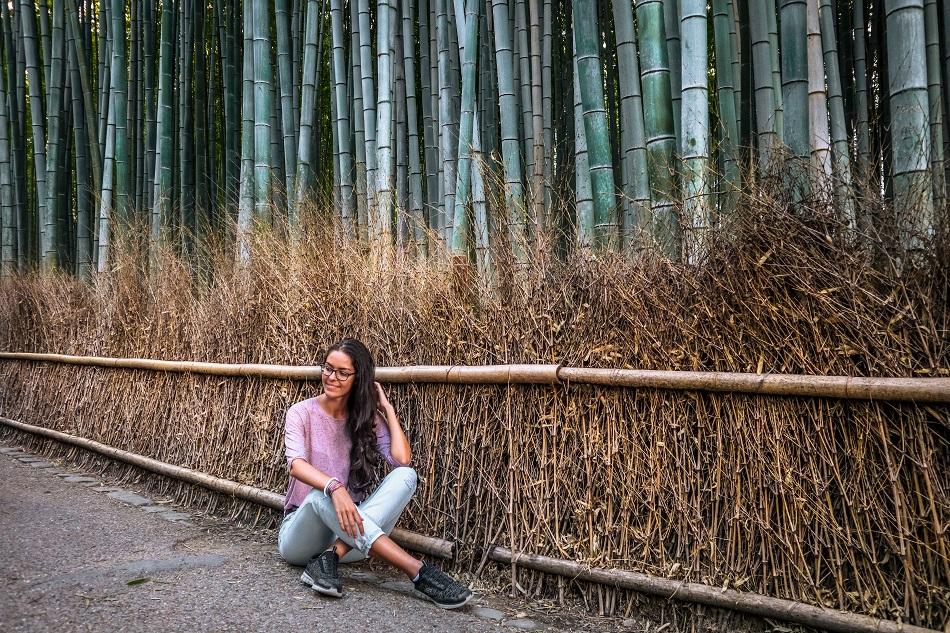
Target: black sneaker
[440,588]
[321,574]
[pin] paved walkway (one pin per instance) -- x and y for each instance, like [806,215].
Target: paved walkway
[78,554]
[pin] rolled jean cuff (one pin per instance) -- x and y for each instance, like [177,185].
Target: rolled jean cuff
[365,543]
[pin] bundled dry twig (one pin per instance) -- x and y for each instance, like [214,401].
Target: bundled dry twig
[832,502]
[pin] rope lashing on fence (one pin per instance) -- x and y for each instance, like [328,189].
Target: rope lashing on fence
[921,390]
[745,602]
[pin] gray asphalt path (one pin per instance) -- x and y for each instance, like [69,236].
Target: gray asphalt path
[74,558]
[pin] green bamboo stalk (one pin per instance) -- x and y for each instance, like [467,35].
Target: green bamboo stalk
[695,130]
[305,173]
[84,187]
[246,195]
[16,114]
[862,122]
[671,22]
[590,76]
[400,135]
[635,179]
[841,157]
[935,101]
[461,226]
[342,122]
[288,123]
[106,198]
[230,166]
[735,30]
[55,152]
[726,83]
[910,121]
[479,209]
[434,174]
[296,50]
[47,220]
[583,198]
[164,126]
[42,14]
[658,124]
[795,75]
[415,168]
[203,174]
[447,151]
[817,101]
[765,100]
[104,70]
[369,108]
[538,149]
[185,128]
[359,137]
[523,51]
[547,105]
[428,92]
[119,89]
[775,64]
[149,89]
[263,109]
[382,230]
[510,139]
[8,223]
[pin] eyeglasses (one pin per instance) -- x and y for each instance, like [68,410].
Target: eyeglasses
[341,374]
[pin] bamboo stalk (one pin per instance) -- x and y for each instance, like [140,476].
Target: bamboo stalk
[935,390]
[755,604]
[411,540]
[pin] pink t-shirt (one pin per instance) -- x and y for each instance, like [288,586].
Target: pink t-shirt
[311,434]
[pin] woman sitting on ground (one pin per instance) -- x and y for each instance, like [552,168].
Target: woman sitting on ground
[333,442]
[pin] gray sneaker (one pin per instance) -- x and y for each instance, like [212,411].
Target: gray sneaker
[321,574]
[437,586]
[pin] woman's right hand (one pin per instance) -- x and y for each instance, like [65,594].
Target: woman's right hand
[346,513]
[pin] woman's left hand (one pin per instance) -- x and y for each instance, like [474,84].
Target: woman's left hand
[381,397]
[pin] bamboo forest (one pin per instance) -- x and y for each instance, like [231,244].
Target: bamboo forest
[627,126]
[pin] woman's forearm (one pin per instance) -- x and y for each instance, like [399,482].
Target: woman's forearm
[399,444]
[302,470]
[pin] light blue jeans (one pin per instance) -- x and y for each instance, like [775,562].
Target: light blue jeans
[314,526]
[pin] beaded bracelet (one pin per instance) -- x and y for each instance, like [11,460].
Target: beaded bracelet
[326,487]
[336,485]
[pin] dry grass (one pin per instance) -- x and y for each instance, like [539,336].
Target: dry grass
[837,503]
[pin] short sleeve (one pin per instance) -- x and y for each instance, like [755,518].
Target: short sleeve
[295,439]
[384,441]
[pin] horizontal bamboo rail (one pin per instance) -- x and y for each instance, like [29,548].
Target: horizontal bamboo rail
[935,390]
[437,547]
[752,603]
[922,390]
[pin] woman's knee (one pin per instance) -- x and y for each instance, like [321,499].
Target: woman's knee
[407,475]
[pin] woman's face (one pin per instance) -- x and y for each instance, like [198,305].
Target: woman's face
[338,375]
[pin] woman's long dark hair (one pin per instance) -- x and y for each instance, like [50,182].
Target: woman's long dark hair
[361,408]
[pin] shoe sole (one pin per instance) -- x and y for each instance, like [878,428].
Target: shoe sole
[447,607]
[326,591]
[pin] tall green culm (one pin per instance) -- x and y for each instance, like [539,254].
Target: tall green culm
[508,108]
[635,182]
[658,123]
[910,121]
[590,80]
[342,123]
[695,128]
[461,226]
[165,123]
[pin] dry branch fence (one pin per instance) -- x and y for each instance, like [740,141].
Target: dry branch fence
[830,501]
